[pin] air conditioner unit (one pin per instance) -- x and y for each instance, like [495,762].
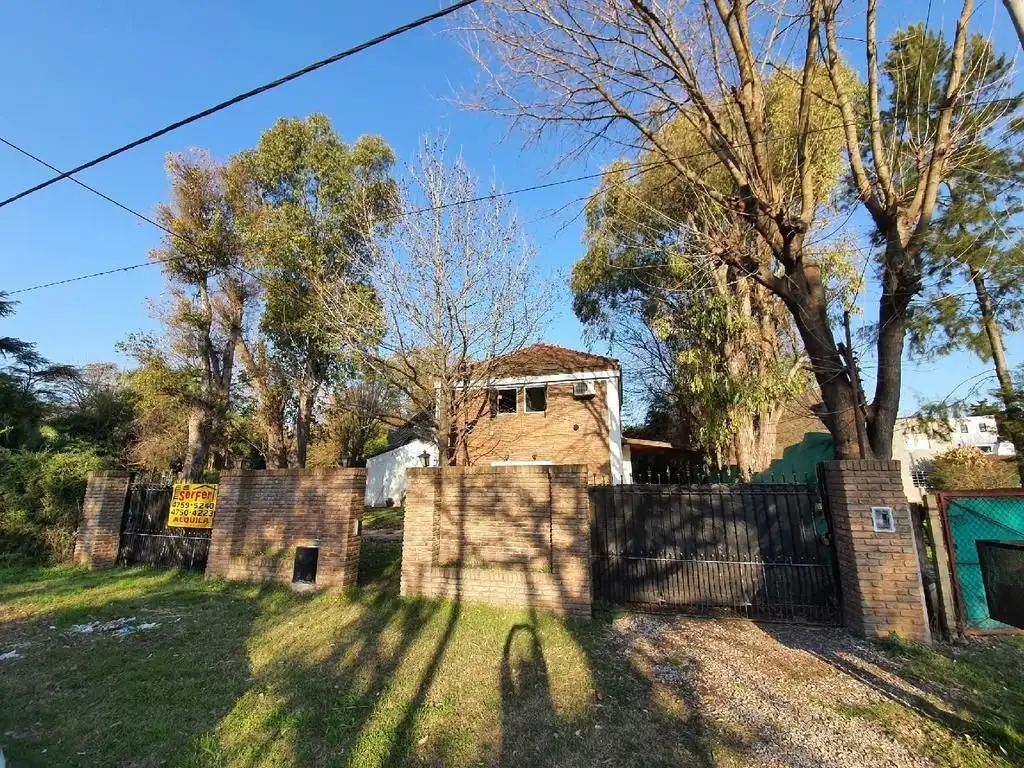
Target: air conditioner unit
[583,389]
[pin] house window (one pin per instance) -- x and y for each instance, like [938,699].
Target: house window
[506,401]
[536,399]
[963,427]
[919,476]
[983,427]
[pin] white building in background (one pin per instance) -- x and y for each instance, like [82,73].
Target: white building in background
[385,472]
[915,449]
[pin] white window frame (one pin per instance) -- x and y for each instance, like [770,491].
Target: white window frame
[964,428]
[497,401]
[526,402]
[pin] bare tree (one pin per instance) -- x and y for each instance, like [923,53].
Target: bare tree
[357,420]
[456,289]
[625,70]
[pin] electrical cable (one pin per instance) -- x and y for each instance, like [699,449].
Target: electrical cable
[422,20]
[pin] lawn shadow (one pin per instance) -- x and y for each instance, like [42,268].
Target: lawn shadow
[627,717]
[980,703]
[321,668]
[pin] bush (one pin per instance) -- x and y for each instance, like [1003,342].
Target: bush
[41,497]
[964,469]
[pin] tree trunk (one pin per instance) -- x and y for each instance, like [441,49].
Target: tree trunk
[995,337]
[270,403]
[754,440]
[303,423]
[445,454]
[767,435]
[200,441]
[277,446]
[839,411]
[1011,406]
[744,444]
[892,331]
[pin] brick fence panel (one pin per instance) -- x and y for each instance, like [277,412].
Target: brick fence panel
[504,535]
[99,531]
[264,515]
[879,572]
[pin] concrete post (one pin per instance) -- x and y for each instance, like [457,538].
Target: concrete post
[943,572]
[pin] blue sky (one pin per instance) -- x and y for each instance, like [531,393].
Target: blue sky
[82,78]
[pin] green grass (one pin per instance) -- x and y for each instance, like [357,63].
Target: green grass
[973,713]
[247,675]
[375,518]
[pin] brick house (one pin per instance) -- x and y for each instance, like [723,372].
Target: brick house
[543,404]
[550,405]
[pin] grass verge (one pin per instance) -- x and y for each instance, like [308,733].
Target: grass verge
[376,518]
[245,675]
[973,713]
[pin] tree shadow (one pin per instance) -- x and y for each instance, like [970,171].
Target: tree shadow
[970,704]
[627,717]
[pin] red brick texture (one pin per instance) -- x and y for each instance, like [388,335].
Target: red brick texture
[99,531]
[262,516]
[878,572]
[502,535]
[571,431]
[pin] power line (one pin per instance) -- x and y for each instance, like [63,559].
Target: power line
[635,169]
[243,97]
[110,200]
[82,184]
[442,206]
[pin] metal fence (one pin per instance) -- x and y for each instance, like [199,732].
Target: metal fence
[146,538]
[971,517]
[756,550]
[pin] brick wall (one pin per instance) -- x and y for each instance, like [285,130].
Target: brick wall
[262,516]
[99,530]
[571,431]
[503,535]
[878,572]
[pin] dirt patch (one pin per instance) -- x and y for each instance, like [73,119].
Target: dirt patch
[779,695]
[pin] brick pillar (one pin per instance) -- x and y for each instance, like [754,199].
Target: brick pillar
[99,531]
[570,536]
[420,529]
[343,492]
[264,515]
[878,570]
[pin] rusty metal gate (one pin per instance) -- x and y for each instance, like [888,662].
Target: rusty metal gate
[147,539]
[757,550]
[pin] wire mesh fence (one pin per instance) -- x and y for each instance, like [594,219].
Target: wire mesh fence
[973,518]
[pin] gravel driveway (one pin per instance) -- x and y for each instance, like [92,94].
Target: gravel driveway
[779,695]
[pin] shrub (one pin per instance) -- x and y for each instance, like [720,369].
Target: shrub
[962,469]
[41,497]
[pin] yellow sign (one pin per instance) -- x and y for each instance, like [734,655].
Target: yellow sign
[193,505]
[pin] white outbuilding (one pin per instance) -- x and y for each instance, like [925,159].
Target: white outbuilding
[385,472]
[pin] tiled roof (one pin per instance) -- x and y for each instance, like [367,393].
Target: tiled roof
[546,359]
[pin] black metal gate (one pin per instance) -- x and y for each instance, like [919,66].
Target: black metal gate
[756,550]
[146,539]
